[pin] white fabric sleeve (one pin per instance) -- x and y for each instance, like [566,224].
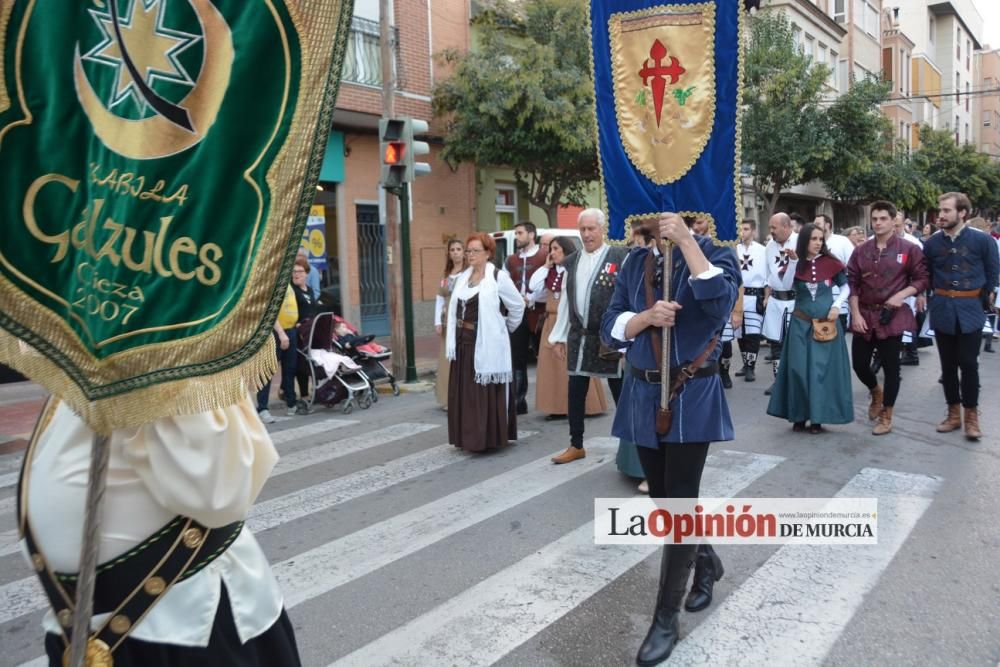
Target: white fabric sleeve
[512,299]
[536,285]
[438,309]
[707,274]
[621,323]
[208,466]
[845,293]
[560,330]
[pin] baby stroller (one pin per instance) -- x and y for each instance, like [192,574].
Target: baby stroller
[368,354]
[347,384]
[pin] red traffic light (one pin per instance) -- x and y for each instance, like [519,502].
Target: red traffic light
[394,153]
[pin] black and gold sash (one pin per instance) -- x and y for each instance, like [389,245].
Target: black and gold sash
[130,585]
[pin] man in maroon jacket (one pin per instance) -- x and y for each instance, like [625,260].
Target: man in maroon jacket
[882,273]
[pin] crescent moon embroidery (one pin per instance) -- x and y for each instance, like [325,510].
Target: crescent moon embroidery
[159,136]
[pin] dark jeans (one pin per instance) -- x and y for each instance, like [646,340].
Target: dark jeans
[287,359]
[888,351]
[959,351]
[577,407]
[674,469]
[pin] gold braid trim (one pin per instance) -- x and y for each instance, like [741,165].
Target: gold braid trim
[218,388]
[6,7]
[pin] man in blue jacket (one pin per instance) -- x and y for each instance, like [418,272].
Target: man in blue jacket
[963,265]
[704,286]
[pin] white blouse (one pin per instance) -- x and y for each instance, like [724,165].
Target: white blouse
[208,466]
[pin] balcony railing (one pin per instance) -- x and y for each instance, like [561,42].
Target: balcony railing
[363,58]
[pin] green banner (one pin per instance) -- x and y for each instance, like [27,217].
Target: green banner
[159,158]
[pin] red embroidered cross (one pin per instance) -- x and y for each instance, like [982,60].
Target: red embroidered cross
[655,69]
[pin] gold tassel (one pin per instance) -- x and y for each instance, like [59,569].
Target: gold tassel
[140,406]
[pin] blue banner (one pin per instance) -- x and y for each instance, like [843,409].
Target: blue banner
[667,82]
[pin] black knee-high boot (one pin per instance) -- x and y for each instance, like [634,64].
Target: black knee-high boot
[675,568]
[707,570]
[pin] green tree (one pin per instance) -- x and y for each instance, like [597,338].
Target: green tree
[953,168]
[861,135]
[524,99]
[786,139]
[891,176]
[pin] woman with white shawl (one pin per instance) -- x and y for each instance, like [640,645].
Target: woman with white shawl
[481,414]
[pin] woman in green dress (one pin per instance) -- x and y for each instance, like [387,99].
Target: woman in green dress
[814,378]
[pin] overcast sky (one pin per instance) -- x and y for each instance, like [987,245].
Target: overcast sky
[990,9]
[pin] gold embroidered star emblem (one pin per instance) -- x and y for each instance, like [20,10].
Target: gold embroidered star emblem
[151,47]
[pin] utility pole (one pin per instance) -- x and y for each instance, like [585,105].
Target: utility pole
[394,273]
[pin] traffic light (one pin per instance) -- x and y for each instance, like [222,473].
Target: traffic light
[414,149]
[393,150]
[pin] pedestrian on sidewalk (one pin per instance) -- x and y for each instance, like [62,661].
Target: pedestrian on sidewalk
[814,380]
[551,377]
[753,269]
[704,287]
[482,413]
[287,343]
[453,267]
[589,285]
[520,267]
[307,305]
[882,273]
[963,267]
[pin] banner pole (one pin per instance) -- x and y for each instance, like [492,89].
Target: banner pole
[668,273]
[84,603]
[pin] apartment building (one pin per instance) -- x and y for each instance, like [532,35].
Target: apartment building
[986,117]
[945,35]
[351,200]
[897,70]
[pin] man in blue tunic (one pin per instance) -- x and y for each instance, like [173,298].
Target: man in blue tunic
[963,266]
[704,286]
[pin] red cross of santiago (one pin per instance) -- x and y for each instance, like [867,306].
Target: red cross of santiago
[655,69]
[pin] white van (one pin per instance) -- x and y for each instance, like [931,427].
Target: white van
[505,241]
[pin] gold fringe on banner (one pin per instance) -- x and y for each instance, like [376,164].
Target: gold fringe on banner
[140,406]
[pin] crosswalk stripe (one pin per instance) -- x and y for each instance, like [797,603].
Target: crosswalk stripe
[9,478]
[503,611]
[804,596]
[324,568]
[311,429]
[25,596]
[335,449]
[277,511]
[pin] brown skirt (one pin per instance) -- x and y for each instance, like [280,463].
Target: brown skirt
[481,417]
[441,382]
[552,381]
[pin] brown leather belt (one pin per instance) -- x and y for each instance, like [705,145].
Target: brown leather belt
[957,293]
[871,306]
[471,326]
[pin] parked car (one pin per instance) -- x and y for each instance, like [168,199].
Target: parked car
[505,241]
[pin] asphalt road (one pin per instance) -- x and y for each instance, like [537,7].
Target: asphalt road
[395,548]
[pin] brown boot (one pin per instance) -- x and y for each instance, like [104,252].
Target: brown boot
[875,407]
[884,424]
[972,431]
[953,421]
[571,454]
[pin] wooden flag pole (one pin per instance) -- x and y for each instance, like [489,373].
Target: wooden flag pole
[668,272]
